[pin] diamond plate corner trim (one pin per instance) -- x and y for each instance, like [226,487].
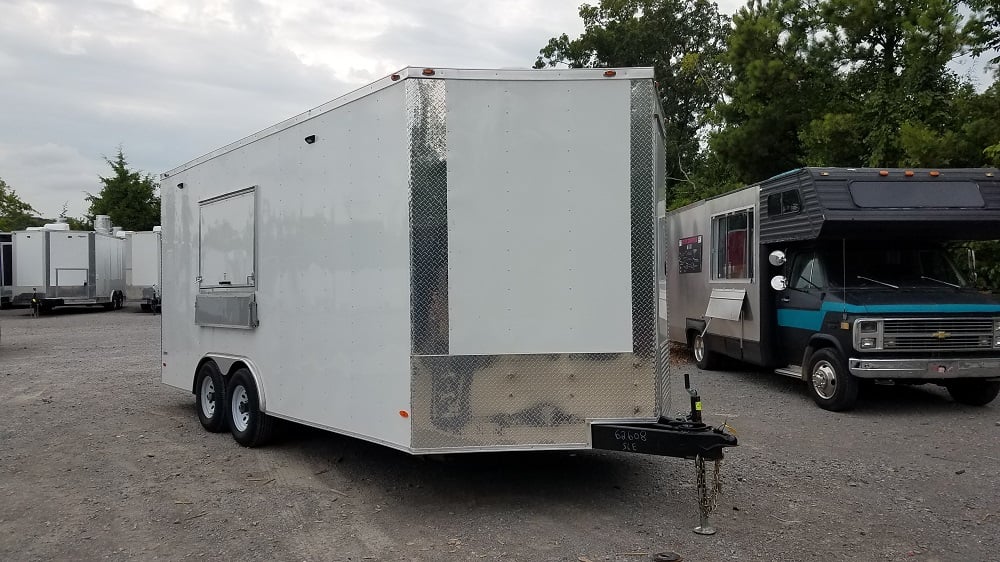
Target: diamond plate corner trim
[645,289]
[427,133]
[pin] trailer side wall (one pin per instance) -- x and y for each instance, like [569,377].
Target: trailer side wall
[332,279]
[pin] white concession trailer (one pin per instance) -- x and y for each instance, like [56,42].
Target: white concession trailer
[53,267]
[442,261]
[6,268]
[143,269]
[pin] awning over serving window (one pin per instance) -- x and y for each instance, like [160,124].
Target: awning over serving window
[726,304]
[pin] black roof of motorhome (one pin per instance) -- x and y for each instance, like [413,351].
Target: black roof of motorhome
[946,204]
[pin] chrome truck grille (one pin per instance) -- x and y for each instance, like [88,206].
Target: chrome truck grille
[938,334]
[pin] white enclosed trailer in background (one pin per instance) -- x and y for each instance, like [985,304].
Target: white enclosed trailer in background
[56,267]
[143,269]
[6,268]
[442,261]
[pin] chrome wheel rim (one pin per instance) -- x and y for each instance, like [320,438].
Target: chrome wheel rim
[699,348]
[207,397]
[241,409]
[824,379]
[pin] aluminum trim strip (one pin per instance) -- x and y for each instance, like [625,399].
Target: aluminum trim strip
[427,132]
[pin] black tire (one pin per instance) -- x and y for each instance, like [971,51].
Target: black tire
[972,392]
[831,385]
[210,397]
[252,427]
[705,360]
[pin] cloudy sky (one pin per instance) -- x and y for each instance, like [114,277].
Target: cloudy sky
[170,80]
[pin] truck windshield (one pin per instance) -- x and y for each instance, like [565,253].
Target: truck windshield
[891,265]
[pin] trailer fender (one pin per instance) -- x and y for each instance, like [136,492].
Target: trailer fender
[694,325]
[228,363]
[817,342]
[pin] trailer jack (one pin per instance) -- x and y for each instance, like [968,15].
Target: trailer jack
[683,437]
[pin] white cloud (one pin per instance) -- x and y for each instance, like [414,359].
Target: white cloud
[170,80]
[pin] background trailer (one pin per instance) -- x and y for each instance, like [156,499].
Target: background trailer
[443,261]
[6,268]
[143,269]
[68,268]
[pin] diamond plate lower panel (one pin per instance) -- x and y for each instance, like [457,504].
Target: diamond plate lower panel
[477,402]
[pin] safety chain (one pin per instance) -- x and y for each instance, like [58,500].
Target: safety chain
[708,500]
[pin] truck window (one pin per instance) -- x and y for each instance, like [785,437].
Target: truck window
[901,264]
[785,203]
[732,245]
[808,272]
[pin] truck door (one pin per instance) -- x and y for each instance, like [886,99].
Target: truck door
[799,306]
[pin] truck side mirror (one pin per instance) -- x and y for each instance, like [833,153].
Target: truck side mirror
[779,283]
[777,258]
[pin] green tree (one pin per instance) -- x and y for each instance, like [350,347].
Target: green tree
[893,56]
[967,141]
[683,40]
[127,196]
[984,27]
[15,214]
[780,80]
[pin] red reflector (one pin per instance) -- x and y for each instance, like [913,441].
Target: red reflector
[404,414]
[935,174]
[883,172]
[394,77]
[428,72]
[908,173]
[610,73]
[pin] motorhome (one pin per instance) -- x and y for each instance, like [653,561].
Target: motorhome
[837,276]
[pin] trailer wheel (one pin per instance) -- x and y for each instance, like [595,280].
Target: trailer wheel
[832,386]
[210,397]
[250,426]
[705,360]
[973,392]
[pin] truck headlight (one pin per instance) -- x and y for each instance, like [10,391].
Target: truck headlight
[868,335]
[868,326]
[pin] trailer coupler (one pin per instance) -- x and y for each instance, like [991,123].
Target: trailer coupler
[682,437]
[678,437]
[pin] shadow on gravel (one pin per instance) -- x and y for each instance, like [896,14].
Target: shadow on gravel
[511,479]
[68,311]
[873,399]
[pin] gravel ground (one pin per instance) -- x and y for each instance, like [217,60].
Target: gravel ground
[98,460]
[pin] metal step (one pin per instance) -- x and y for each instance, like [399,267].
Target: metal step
[794,371]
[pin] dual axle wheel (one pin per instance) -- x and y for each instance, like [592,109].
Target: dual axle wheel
[233,405]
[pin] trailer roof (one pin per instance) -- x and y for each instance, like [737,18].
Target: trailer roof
[428,73]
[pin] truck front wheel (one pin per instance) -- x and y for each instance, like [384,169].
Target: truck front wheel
[973,392]
[832,386]
[249,425]
[705,360]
